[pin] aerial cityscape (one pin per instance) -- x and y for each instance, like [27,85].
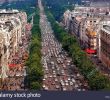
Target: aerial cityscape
[49,45]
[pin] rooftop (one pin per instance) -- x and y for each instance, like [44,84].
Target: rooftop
[106,28]
[100,4]
[8,22]
[4,11]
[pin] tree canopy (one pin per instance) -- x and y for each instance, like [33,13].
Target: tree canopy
[96,80]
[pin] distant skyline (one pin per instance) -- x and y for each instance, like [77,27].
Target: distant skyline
[3,1]
[97,0]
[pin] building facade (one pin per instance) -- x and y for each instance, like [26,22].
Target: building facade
[105,45]
[85,23]
[12,28]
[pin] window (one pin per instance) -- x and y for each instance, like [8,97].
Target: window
[94,21]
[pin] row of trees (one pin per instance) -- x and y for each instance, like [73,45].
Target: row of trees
[35,72]
[96,80]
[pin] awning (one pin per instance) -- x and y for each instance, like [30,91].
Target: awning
[90,51]
[12,65]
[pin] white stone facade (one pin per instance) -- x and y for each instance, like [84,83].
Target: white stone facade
[12,27]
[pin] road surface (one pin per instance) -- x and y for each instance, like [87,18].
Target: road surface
[60,73]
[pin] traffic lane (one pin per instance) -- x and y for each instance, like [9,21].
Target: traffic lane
[50,45]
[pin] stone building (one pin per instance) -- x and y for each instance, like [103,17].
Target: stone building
[104,48]
[84,22]
[12,28]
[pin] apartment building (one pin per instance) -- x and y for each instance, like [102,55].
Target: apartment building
[84,22]
[66,19]
[12,28]
[105,45]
